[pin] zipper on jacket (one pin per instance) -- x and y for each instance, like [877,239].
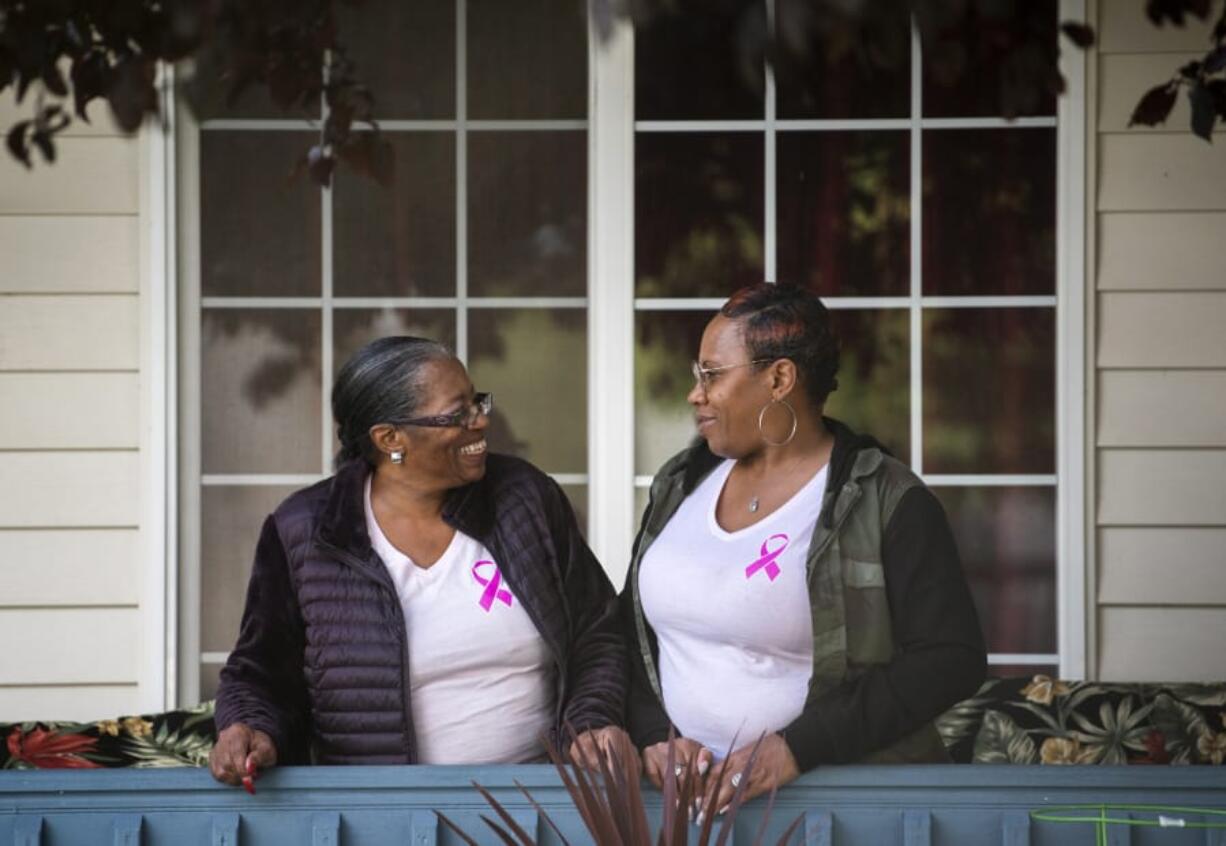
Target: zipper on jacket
[410,741]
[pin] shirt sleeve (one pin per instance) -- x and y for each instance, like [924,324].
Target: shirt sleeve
[939,660]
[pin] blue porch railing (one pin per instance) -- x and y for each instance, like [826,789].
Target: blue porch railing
[332,806]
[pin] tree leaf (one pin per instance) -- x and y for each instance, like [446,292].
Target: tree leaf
[1155,105]
[1215,61]
[16,142]
[1079,33]
[1203,114]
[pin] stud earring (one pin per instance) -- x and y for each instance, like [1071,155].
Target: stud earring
[397,456]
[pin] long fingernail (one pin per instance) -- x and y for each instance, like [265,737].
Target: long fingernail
[701,816]
[249,784]
[721,810]
[703,766]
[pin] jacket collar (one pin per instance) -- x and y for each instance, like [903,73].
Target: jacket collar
[342,523]
[853,457]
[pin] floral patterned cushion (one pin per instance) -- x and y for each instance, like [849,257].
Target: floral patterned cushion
[1025,720]
[1040,720]
[172,739]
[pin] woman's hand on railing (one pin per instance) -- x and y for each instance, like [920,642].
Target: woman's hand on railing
[655,762]
[775,766]
[609,742]
[240,753]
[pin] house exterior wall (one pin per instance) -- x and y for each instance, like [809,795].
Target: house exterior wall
[1158,366]
[70,427]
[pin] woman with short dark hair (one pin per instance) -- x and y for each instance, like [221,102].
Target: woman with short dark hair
[790,580]
[429,603]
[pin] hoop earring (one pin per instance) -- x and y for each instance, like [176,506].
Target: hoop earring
[397,456]
[762,414]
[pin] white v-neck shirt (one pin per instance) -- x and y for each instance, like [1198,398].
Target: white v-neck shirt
[731,613]
[481,677]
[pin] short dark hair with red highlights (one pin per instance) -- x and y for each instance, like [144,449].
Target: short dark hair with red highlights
[786,321]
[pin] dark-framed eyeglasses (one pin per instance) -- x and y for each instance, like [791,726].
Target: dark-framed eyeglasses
[706,375]
[465,417]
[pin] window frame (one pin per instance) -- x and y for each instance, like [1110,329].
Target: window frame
[171,339]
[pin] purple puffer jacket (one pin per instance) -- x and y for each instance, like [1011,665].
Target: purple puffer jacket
[321,663]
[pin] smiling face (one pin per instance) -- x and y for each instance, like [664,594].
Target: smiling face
[726,409]
[450,456]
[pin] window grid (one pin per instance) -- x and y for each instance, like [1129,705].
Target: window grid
[327,303]
[915,302]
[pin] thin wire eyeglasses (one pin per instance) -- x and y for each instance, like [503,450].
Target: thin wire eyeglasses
[706,375]
[465,417]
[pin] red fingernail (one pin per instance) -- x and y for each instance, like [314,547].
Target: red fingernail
[249,784]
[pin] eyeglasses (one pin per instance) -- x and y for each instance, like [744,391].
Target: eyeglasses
[466,416]
[706,375]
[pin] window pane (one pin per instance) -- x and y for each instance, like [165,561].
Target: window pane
[974,65]
[209,679]
[701,61]
[230,522]
[527,213]
[260,391]
[665,344]
[512,74]
[989,390]
[990,211]
[398,241]
[837,78]
[535,363]
[1007,540]
[353,328]
[259,227]
[844,212]
[874,395]
[698,214]
[405,53]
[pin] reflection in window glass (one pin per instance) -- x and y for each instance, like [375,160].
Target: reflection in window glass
[844,224]
[547,82]
[231,518]
[989,390]
[1025,671]
[701,60]
[835,77]
[259,227]
[971,68]
[398,240]
[1007,539]
[405,52]
[666,342]
[353,328]
[990,211]
[698,213]
[260,391]
[874,395]
[535,363]
[527,213]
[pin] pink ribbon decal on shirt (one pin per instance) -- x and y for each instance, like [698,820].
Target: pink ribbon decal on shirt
[767,561]
[493,587]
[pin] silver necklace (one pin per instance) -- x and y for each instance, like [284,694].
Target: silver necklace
[753,505]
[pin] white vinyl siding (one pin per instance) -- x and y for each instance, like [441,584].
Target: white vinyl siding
[70,431]
[1159,356]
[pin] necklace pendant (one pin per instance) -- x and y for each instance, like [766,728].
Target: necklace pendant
[753,505]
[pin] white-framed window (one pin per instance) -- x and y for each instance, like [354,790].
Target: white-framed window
[570,244]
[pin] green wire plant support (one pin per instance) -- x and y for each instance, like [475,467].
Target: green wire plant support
[1160,816]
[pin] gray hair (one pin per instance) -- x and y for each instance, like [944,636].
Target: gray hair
[381,383]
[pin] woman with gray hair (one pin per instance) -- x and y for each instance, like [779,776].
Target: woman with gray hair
[429,603]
